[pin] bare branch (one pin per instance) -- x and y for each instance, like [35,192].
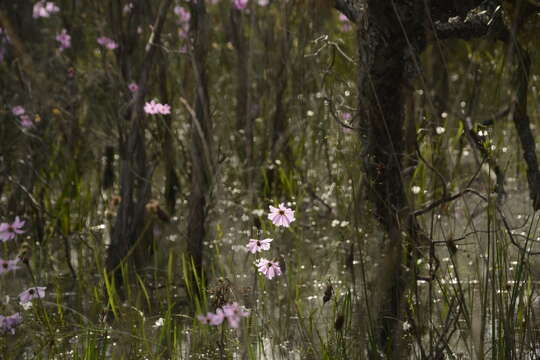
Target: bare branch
[484,20]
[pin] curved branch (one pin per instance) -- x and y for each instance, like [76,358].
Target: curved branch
[522,122]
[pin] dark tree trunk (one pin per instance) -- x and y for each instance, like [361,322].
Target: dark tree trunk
[278,145]
[243,123]
[135,178]
[130,229]
[201,140]
[390,36]
[386,56]
[522,64]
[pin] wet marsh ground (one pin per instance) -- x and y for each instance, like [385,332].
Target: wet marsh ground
[474,293]
[318,307]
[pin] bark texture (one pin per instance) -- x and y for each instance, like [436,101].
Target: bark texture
[385,55]
[130,229]
[522,65]
[201,140]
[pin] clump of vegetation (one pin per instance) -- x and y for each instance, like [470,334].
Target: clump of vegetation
[263,179]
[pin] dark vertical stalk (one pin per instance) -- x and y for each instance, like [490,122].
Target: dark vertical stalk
[107,181]
[135,174]
[245,110]
[521,120]
[172,182]
[279,144]
[385,51]
[240,43]
[201,139]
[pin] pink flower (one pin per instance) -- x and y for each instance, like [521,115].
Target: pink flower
[343,18]
[51,7]
[107,42]
[240,4]
[111,45]
[39,10]
[9,231]
[281,216]
[26,122]
[255,245]
[346,116]
[268,268]
[183,31]
[9,323]
[153,108]
[211,318]
[103,40]
[183,20]
[346,27]
[163,109]
[64,39]
[43,9]
[8,265]
[234,314]
[31,294]
[217,318]
[17,110]
[263,2]
[133,87]
[205,319]
[183,14]
[345,23]
[150,107]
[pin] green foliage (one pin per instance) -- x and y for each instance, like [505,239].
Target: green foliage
[475,288]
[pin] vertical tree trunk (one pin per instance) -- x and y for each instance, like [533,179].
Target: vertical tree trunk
[241,45]
[201,139]
[522,64]
[279,146]
[129,228]
[385,57]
